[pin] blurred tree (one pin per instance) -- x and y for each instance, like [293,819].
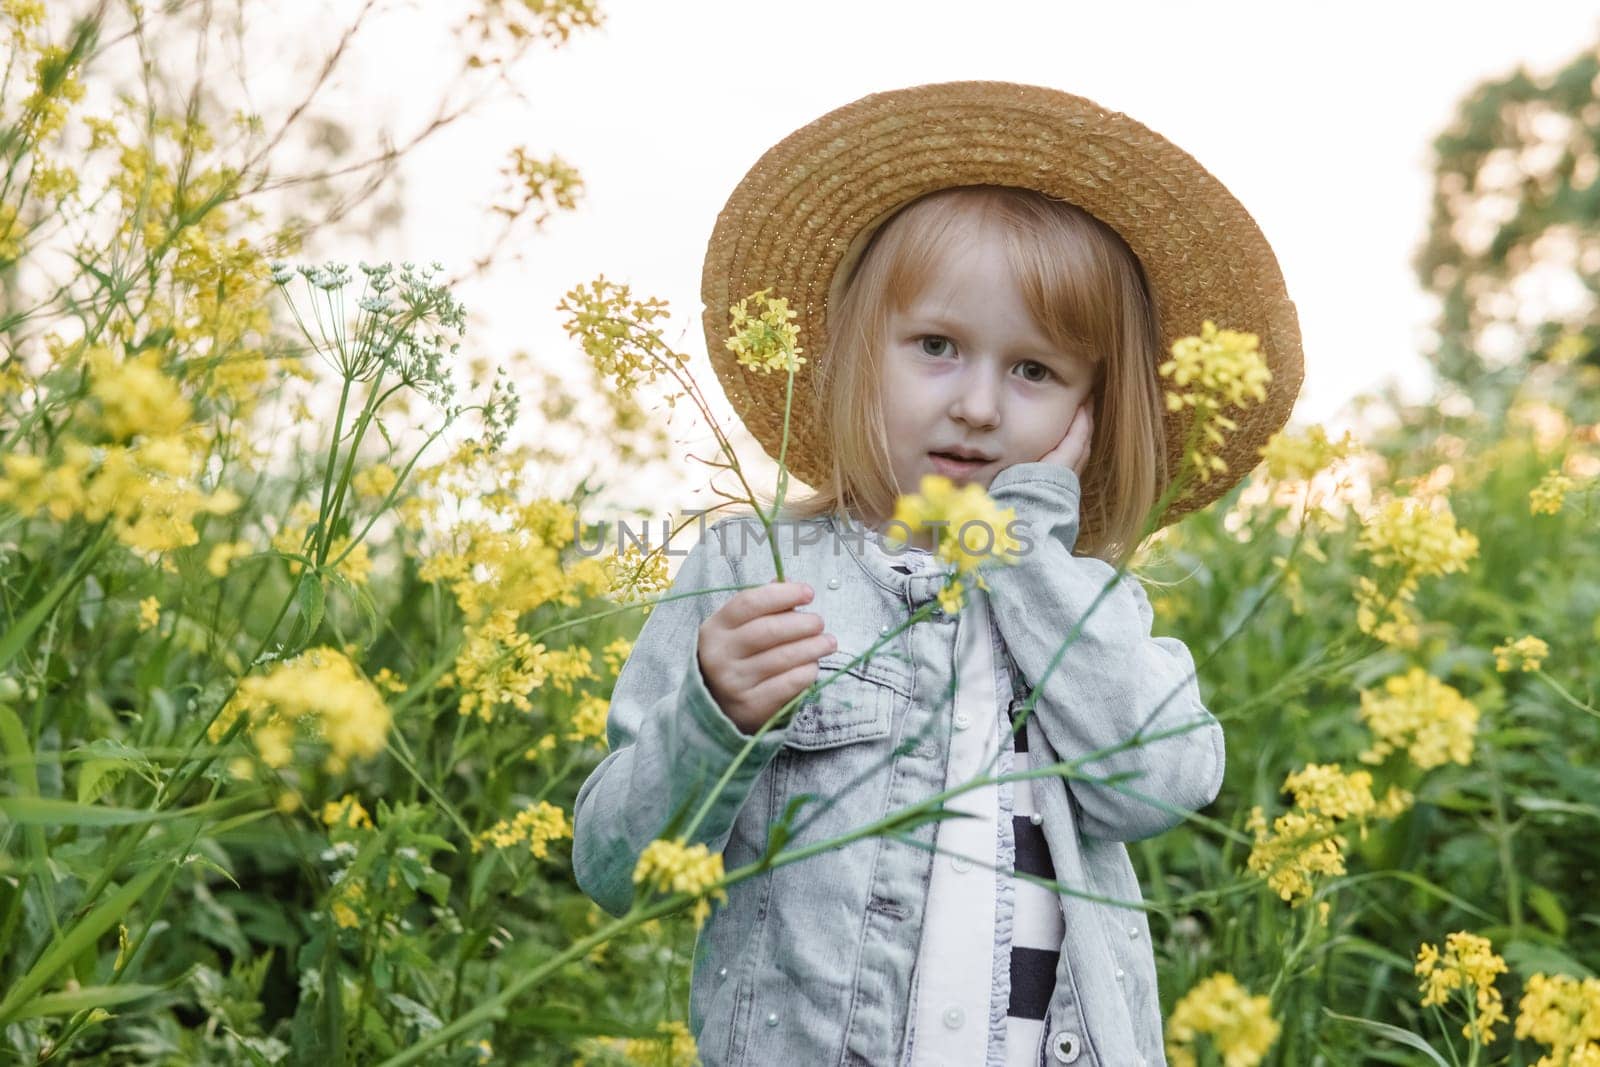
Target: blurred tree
[1513,248]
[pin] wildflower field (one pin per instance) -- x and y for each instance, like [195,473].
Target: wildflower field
[301,666]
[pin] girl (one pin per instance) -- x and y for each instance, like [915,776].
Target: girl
[988,276]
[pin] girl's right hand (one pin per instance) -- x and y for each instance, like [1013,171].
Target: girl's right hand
[757,652]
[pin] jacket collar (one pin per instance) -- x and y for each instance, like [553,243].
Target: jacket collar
[878,560]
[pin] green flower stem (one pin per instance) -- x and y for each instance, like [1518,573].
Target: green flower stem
[333,459]
[1568,697]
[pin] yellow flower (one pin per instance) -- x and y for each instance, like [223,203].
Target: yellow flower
[1291,457]
[347,813]
[1240,1026]
[374,481]
[538,825]
[1527,653]
[969,530]
[589,718]
[616,654]
[222,556]
[768,341]
[615,332]
[319,687]
[1418,537]
[348,897]
[1308,840]
[675,1042]
[1210,370]
[673,867]
[1468,964]
[1431,721]
[1551,492]
[1414,535]
[149,612]
[497,664]
[1563,1013]
[135,397]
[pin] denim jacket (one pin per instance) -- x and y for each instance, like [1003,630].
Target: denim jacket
[811,962]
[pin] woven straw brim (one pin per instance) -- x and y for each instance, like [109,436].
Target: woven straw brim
[801,217]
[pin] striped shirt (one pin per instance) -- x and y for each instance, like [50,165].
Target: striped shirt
[953,993]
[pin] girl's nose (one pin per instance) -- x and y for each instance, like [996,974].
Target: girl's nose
[977,399]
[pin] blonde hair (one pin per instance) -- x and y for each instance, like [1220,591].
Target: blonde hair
[1087,293]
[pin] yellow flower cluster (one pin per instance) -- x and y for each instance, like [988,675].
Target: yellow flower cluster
[1409,534]
[631,575]
[346,813]
[375,481]
[147,489]
[1547,497]
[1240,1026]
[222,555]
[1525,653]
[1468,964]
[675,1044]
[616,333]
[616,654]
[1563,1013]
[320,688]
[134,397]
[589,718]
[1210,370]
[1417,713]
[149,613]
[768,341]
[1299,457]
[348,898]
[952,512]
[537,824]
[498,664]
[1308,841]
[670,866]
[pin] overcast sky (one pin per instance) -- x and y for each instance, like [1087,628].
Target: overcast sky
[1317,117]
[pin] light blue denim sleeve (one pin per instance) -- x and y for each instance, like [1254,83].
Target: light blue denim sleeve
[670,742]
[1113,675]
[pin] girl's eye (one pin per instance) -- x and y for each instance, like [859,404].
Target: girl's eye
[1035,363]
[934,338]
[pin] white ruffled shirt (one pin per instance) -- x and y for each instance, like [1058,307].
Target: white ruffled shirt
[981,988]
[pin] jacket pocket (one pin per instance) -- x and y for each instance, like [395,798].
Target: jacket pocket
[850,705]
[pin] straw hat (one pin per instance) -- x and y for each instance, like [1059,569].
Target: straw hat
[800,219]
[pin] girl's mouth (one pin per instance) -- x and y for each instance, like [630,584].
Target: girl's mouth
[955,467]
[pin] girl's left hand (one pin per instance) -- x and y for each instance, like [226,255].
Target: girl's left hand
[1073,450]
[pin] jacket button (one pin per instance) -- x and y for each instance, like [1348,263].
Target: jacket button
[882,630]
[963,720]
[1119,974]
[1064,1046]
[722,972]
[960,863]
[1133,933]
[833,583]
[1036,818]
[953,1018]
[772,1018]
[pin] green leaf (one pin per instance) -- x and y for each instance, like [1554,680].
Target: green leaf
[95,996]
[1549,908]
[312,601]
[1393,1033]
[49,811]
[77,939]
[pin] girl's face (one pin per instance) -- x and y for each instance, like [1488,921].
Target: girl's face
[965,368]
